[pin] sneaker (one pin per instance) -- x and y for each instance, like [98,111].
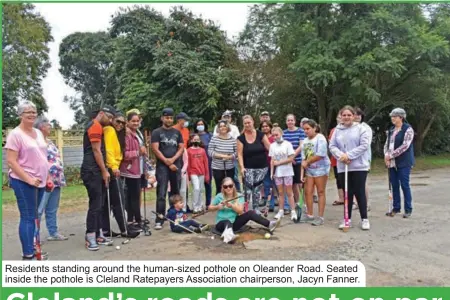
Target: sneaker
[101,240]
[318,221]
[365,225]
[113,234]
[273,225]
[57,237]
[407,215]
[43,254]
[91,243]
[392,214]
[262,202]
[293,215]
[158,226]
[279,214]
[308,218]
[342,225]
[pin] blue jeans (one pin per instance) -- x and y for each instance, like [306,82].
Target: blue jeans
[267,185]
[50,204]
[28,199]
[400,178]
[187,224]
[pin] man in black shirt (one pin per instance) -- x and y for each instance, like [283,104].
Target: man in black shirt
[168,146]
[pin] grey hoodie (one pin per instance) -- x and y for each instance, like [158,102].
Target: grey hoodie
[355,141]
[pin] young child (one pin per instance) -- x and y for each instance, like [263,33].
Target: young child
[198,170]
[177,214]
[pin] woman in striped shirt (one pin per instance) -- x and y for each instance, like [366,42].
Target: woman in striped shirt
[222,150]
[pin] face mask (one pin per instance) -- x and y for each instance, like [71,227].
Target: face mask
[186,124]
[279,140]
[200,127]
[196,144]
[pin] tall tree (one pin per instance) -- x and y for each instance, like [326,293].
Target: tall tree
[25,40]
[86,61]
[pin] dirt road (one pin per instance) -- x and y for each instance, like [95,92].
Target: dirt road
[395,252]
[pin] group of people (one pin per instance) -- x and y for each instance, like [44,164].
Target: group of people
[275,166]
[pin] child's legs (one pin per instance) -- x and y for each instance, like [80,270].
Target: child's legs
[280,186]
[197,186]
[288,184]
[309,190]
[321,184]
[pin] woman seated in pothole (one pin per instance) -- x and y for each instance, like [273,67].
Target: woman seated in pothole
[231,216]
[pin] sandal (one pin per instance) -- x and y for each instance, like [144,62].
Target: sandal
[337,202]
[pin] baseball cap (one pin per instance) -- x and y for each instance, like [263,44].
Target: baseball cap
[264,113]
[183,116]
[109,109]
[167,112]
[134,110]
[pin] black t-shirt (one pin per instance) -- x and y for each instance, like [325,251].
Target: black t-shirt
[168,140]
[255,155]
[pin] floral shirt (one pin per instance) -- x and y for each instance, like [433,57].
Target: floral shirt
[56,168]
[389,145]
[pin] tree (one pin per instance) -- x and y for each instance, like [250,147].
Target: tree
[373,56]
[86,61]
[181,61]
[25,40]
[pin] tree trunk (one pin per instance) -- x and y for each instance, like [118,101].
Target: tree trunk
[323,121]
[422,131]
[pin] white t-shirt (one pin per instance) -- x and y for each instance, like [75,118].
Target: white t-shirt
[281,152]
[234,133]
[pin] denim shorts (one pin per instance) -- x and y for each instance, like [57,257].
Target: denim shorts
[318,172]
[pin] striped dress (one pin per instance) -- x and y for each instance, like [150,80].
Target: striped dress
[222,146]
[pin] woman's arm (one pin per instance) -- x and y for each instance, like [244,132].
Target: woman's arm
[409,136]
[11,158]
[130,153]
[240,154]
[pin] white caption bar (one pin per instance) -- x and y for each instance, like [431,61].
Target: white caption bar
[183,273]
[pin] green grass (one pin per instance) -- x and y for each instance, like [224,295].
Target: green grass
[76,194]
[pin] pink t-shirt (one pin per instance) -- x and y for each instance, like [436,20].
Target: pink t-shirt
[32,154]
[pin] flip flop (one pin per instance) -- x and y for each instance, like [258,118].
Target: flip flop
[335,203]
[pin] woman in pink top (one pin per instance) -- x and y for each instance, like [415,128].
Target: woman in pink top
[28,172]
[130,170]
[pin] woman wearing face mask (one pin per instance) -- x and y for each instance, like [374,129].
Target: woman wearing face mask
[399,158]
[198,170]
[349,145]
[130,169]
[252,146]
[222,150]
[282,155]
[316,164]
[201,128]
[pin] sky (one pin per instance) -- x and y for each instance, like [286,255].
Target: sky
[69,18]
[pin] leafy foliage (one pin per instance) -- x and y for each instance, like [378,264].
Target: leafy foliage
[25,49]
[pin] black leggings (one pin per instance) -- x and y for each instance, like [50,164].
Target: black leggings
[356,188]
[219,175]
[241,220]
[339,184]
[133,196]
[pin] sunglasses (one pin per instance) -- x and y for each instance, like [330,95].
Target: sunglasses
[230,186]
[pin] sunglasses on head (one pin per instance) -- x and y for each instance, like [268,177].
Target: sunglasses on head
[229,186]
